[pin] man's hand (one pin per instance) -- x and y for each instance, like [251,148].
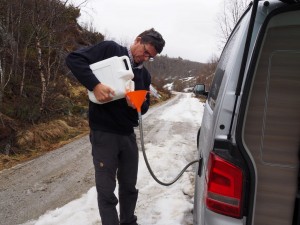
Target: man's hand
[103,93]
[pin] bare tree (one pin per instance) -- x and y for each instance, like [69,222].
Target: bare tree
[208,72]
[45,19]
[228,17]
[7,49]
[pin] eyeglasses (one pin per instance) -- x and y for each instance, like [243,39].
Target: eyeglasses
[147,53]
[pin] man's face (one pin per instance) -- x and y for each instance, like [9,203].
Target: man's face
[142,52]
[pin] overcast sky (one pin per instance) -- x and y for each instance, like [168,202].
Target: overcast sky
[189,27]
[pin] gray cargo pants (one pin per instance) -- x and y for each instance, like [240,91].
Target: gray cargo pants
[114,156]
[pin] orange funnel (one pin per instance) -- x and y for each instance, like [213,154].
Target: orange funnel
[137,98]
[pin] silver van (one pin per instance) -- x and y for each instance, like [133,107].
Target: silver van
[249,140]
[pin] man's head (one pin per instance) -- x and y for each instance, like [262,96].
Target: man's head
[147,45]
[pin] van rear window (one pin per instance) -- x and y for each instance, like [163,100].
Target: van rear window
[220,71]
[215,87]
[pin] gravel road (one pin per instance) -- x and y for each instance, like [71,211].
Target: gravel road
[52,180]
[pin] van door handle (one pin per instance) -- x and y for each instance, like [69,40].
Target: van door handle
[200,166]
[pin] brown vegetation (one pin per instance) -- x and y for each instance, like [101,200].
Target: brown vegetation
[40,106]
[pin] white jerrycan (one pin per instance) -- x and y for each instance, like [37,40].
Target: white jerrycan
[116,73]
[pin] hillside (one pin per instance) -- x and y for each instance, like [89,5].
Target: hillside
[177,72]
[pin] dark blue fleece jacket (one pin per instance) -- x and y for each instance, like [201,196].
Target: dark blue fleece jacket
[115,116]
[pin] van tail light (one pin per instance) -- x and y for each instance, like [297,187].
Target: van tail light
[224,187]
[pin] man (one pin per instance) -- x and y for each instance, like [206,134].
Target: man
[114,147]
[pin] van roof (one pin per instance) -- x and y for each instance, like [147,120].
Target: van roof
[290,1]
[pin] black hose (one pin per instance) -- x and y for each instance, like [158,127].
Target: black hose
[146,160]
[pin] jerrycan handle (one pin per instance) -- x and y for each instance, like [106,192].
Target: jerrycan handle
[125,74]
[126,62]
[126,65]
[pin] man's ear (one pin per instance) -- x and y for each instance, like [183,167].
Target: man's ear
[138,40]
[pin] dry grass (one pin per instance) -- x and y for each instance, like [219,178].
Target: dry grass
[42,138]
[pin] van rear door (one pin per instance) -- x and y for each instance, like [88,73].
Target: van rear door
[268,128]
